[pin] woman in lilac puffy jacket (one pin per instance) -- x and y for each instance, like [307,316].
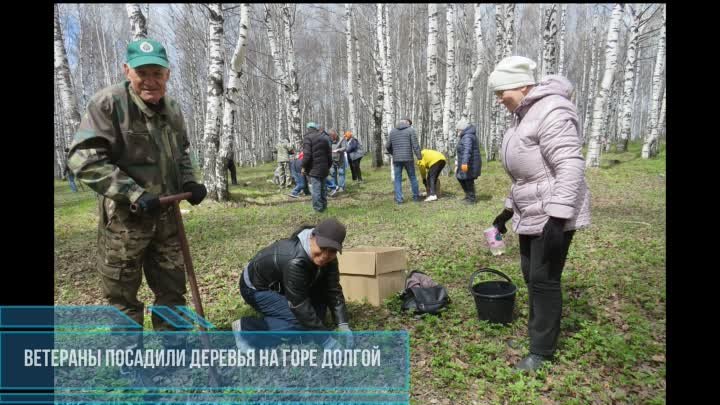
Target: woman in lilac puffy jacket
[549,198]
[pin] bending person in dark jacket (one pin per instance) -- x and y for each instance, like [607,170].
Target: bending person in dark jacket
[468,160]
[294,281]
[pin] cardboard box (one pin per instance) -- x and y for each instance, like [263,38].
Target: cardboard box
[372,274]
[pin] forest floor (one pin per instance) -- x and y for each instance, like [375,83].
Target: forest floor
[613,341]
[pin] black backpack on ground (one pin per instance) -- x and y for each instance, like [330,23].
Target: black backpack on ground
[423,295]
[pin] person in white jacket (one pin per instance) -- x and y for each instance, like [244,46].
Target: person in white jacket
[549,198]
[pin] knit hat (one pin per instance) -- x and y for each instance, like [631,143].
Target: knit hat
[511,73]
[462,124]
[311,124]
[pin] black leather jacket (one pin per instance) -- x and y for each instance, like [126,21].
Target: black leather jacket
[286,268]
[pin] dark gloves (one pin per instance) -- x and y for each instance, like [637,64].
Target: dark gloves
[501,219]
[553,236]
[148,204]
[198,192]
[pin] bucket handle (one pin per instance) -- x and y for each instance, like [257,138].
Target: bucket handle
[486,270]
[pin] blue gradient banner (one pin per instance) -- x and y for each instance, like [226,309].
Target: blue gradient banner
[210,366]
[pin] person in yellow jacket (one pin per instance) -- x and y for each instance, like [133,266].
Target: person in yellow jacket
[431,165]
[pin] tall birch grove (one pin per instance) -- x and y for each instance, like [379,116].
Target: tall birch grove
[248,74]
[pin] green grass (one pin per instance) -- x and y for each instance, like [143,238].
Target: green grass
[612,345]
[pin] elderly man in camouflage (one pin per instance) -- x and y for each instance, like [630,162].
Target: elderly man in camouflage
[132,147]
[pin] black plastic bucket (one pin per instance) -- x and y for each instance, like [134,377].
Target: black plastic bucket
[494,300]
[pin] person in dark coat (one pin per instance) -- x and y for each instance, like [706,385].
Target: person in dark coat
[402,144]
[468,159]
[317,158]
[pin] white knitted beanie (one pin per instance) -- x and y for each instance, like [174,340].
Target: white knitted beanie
[462,124]
[511,73]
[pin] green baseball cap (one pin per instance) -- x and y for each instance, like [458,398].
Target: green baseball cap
[146,52]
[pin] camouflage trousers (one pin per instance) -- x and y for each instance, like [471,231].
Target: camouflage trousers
[130,244]
[284,174]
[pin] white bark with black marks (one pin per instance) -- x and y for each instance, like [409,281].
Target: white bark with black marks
[448,111]
[138,22]
[590,96]
[213,117]
[436,138]
[379,101]
[478,65]
[70,112]
[292,86]
[650,147]
[350,68]
[594,143]
[550,30]
[230,110]
[629,81]
[561,41]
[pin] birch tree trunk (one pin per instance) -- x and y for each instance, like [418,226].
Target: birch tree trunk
[549,40]
[539,59]
[138,23]
[292,85]
[580,93]
[650,147]
[279,70]
[628,85]
[509,32]
[414,96]
[216,65]
[230,110]
[436,139]
[60,142]
[495,127]
[389,68]
[591,78]
[100,35]
[593,153]
[388,122]
[561,42]
[378,109]
[449,113]
[661,119]
[477,66]
[350,68]
[71,115]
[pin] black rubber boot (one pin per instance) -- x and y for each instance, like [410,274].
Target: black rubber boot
[532,362]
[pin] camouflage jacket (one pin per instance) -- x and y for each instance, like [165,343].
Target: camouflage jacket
[284,149]
[123,148]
